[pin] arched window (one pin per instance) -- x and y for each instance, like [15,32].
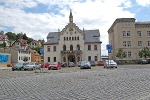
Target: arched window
[48,59]
[78,38]
[54,59]
[71,47]
[64,38]
[78,47]
[75,38]
[67,38]
[72,38]
[64,47]
[89,58]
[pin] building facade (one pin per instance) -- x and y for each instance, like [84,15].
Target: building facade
[72,44]
[129,35]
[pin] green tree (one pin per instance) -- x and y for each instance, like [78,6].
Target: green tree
[29,40]
[25,59]
[145,53]
[42,42]
[121,54]
[37,48]
[25,37]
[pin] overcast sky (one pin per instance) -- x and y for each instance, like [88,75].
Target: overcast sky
[37,18]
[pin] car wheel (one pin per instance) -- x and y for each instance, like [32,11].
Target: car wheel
[12,69]
[115,67]
[90,68]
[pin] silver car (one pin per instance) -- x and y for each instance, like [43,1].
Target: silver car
[110,64]
[71,64]
[85,64]
[32,66]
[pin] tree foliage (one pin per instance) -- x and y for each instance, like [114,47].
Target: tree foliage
[145,53]
[37,48]
[121,54]
[25,59]
[25,37]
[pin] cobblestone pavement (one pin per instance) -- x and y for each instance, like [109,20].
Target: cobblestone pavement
[124,83]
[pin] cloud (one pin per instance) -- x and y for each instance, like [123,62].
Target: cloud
[143,2]
[88,14]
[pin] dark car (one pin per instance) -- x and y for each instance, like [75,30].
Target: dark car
[92,62]
[63,64]
[142,62]
[19,66]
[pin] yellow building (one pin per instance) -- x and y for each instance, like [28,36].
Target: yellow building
[129,35]
[35,56]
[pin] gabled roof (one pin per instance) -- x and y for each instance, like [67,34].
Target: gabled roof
[89,37]
[34,52]
[3,36]
[37,42]
[23,42]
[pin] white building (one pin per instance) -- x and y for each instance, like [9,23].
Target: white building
[72,44]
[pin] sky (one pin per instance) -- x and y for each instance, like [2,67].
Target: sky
[37,18]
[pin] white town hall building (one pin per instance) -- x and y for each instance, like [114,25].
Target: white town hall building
[72,44]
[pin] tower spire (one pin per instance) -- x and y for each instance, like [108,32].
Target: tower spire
[70,16]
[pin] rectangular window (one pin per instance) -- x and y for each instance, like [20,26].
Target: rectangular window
[89,47]
[139,33]
[139,43]
[64,38]
[128,33]
[124,43]
[95,47]
[129,53]
[54,48]
[69,38]
[148,33]
[123,33]
[148,43]
[129,43]
[128,24]
[48,49]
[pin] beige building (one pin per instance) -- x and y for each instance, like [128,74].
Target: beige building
[72,44]
[130,35]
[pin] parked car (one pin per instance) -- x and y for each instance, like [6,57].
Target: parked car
[85,64]
[142,62]
[45,65]
[54,65]
[32,66]
[92,62]
[100,63]
[19,66]
[71,64]
[110,64]
[63,64]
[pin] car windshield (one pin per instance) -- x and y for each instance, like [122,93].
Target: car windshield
[111,61]
[31,63]
[19,63]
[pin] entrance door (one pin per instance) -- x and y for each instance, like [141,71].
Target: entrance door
[71,58]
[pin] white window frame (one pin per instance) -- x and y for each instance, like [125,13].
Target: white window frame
[139,34]
[124,33]
[148,43]
[148,33]
[128,33]
[129,43]
[124,43]
[139,43]
[129,53]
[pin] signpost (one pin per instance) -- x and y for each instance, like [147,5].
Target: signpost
[109,48]
[42,52]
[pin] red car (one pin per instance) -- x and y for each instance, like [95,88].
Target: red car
[45,65]
[100,63]
[54,65]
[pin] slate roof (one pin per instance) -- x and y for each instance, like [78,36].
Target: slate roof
[89,37]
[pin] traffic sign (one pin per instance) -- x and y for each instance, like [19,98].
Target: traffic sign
[109,51]
[109,47]
[42,50]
